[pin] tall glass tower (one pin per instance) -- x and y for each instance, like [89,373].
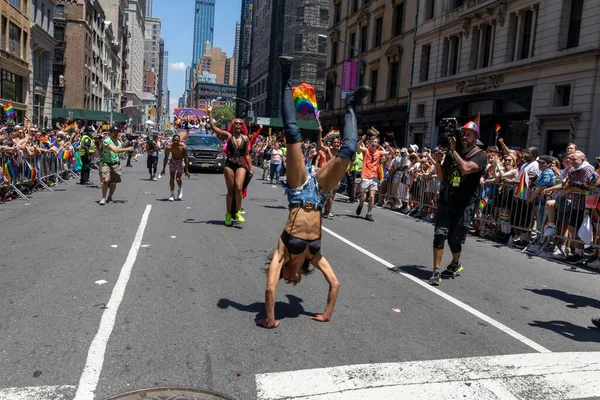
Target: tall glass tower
[204,26]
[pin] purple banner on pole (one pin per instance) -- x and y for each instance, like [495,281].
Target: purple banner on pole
[346,75]
[353,71]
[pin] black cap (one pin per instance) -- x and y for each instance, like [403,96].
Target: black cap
[545,159]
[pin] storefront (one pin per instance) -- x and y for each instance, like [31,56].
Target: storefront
[12,91]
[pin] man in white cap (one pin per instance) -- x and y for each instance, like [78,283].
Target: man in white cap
[459,176]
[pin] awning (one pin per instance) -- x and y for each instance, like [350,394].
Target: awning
[309,125]
[88,115]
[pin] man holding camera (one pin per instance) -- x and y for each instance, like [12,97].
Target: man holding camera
[459,175]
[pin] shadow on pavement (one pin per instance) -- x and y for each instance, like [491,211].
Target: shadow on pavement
[418,271]
[569,330]
[277,207]
[293,309]
[575,300]
[352,216]
[219,222]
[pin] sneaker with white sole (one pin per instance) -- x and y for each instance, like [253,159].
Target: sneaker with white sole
[172,197]
[102,202]
[179,194]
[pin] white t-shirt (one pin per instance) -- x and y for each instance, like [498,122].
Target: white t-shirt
[276,156]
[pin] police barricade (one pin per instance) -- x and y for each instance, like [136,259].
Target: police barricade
[25,173]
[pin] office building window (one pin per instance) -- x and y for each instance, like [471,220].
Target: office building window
[324,15]
[298,42]
[11,86]
[455,4]
[59,11]
[450,56]
[363,38]
[575,23]
[429,4]
[354,5]
[374,80]
[16,3]
[352,42]
[14,39]
[398,19]
[483,39]
[562,96]
[300,14]
[522,29]
[378,31]
[334,53]
[322,45]
[393,88]
[420,110]
[337,15]
[59,33]
[425,56]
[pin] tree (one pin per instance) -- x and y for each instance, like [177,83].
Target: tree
[224,115]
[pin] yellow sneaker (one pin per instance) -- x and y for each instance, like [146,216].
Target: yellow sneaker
[239,217]
[228,220]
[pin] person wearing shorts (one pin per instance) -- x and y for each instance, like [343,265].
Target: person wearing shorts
[369,182]
[178,165]
[110,167]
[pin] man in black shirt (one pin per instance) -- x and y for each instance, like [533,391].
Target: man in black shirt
[459,176]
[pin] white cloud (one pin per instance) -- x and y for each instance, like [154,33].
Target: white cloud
[178,66]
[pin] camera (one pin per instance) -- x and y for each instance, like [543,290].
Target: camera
[449,128]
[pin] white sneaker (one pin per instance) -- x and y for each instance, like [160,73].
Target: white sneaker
[179,194]
[550,230]
[102,202]
[172,198]
[558,254]
[154,178]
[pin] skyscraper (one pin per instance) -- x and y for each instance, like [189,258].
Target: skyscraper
[236,50]
[204,24]
[148,8]
[243,54]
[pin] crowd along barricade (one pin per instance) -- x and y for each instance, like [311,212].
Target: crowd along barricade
[21,173]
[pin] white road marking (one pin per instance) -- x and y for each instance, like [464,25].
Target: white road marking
[100,282]
[446,296]
[38,392]
[545,376]
[113,245]
[95,358]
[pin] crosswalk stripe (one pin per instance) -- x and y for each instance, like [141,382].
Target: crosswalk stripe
[545,376]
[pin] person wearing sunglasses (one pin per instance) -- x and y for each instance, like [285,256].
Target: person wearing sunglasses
[237,165]
[299,245]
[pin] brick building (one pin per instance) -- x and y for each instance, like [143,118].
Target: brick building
[14,55]
[529,66]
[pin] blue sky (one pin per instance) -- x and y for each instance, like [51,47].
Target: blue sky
[177,24]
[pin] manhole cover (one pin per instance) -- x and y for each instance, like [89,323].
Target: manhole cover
[170,394]
[263,200]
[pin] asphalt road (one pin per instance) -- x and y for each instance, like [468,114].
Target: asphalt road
[184,315]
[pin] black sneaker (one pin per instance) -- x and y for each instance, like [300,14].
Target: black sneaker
[453,270]
[110,201]
[354,98]
[369,217]
[436,278]
[574,259]
[359,209]
[596,321]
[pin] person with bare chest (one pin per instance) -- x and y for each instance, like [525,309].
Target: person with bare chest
[178,165]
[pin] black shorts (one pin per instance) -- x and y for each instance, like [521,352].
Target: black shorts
[151,161]
[454,222]
[233,165]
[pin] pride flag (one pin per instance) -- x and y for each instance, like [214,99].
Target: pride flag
[482,204]
[477,119]
[66,154]
[331,134]
[520,192]
[9,110]
[71,127]
[373,132]
[10,170]
[498,127]
[30,172]
[305,100]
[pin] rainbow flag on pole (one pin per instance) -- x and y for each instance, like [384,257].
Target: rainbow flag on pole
[71,127]
[9,110]
[520,192]
[373,132]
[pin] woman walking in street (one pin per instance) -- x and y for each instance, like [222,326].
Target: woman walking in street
[238,163]
[300,243]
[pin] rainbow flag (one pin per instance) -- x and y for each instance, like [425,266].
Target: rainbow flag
[498,127]
[381,173]
[305,100]
[9,110]
[373,132]
[415,177]
[567,184]
[491,173]
[66,155]
[30,172]
[10,170]
[44,141]
[331,134]
[520,192]
[477,119]
[482,204]
[71,127]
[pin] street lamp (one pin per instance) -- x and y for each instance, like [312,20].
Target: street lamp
[251,112]
[358,52]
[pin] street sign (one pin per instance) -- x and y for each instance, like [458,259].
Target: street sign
[263,121]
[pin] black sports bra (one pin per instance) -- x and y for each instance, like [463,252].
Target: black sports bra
[297,246]
[234,151]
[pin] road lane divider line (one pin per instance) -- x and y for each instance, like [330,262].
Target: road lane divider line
[509,331]
[95,358]
[551,376]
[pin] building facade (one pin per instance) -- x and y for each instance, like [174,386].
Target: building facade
[115,44]
[529,66]
[148,9]
[267,44]
[204,26]
[304,22]
[134,85]
[243,56]
[213,61]
[236,50]
[42,42]
[382,32]
[205,93]
[166,107]
[15,55]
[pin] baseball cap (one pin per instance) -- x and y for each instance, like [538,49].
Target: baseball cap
[545,159]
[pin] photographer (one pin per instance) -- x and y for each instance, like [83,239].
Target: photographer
[459,175]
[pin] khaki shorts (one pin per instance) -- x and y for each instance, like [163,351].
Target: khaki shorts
[111,171]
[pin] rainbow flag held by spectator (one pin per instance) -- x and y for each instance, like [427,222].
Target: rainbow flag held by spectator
[9,110]
[10,170]
[520,192]
[30,172]
[71,127]
[482,204]
[373,132]
[331,134]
